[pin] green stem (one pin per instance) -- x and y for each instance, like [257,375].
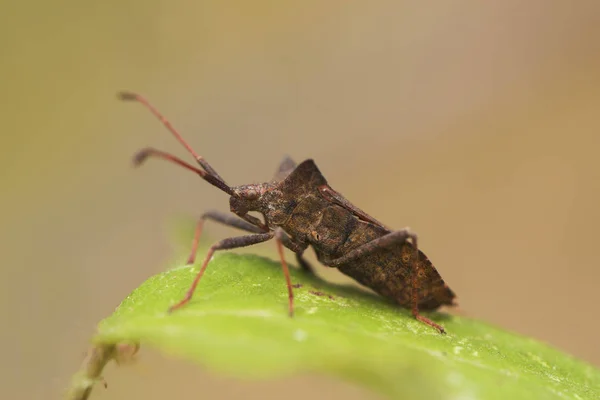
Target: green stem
[90,371]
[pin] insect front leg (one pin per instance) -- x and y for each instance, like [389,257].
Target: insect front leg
[390,239]
[223,218]
[225,244]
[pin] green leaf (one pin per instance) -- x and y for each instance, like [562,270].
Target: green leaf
[237,323]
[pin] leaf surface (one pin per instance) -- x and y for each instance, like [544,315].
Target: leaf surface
[237,323]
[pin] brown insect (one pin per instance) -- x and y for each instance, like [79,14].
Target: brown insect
[300,210]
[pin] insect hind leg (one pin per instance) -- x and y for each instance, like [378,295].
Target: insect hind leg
[390,239]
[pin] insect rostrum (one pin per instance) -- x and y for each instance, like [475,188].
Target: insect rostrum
[300,210]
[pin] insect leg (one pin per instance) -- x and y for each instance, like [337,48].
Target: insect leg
[390,239]
[225,244]
[279,238]
[415,303]
[298,249]
[387,240]
[223,218]
[305,265]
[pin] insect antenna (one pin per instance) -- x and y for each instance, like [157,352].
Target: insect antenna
[207,172]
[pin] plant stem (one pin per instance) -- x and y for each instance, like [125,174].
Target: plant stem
[90,371]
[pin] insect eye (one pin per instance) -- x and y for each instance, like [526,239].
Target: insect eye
[251,194]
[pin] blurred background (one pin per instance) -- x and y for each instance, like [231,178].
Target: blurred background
[474,124]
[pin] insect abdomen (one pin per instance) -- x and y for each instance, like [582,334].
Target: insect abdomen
[389,270]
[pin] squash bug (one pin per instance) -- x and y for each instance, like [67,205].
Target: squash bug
[299,210]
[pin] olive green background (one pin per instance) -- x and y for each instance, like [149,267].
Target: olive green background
[475,124]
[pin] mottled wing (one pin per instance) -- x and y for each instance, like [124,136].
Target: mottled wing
[337,198]
[374,271]
[389,272]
